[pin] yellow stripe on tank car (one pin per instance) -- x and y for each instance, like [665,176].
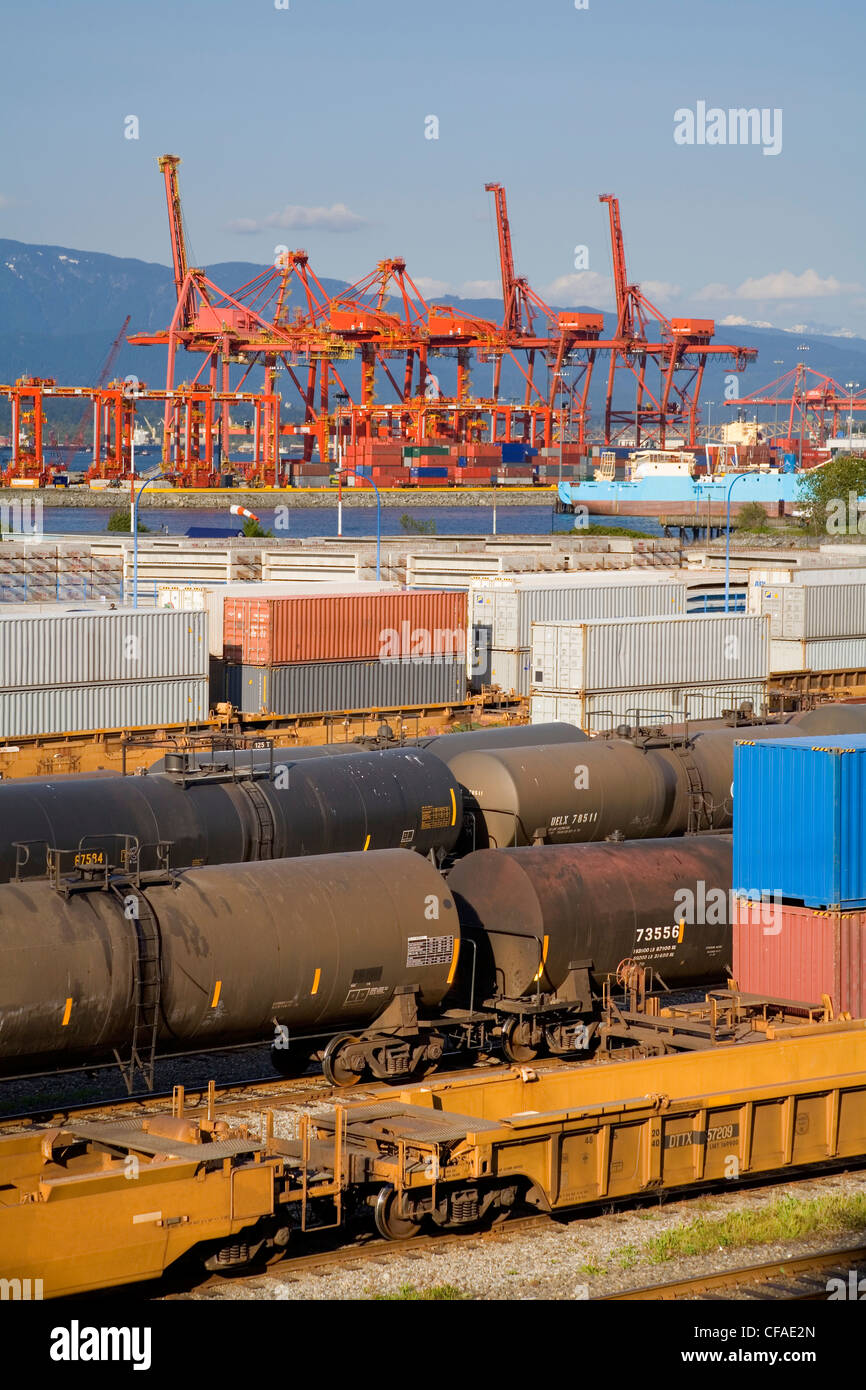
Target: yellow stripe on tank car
[455,956]
[216,994]
[682,930]
[453,808]
[316,978]
[367,842]
[67,1012]
[540,971]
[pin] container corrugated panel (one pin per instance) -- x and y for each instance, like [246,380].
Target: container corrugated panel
[508,670]
[808,610]
[82,708]
[835,654]
[800,819]
[831,575]
[213,597]
[342,627]
[630,653]
[64,646]
[316,687]
[603,710]
[790,952]
[508,607]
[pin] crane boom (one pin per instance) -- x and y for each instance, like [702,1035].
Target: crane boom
[168,164]
[623,299]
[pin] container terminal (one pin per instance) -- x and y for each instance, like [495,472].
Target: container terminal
[528,868]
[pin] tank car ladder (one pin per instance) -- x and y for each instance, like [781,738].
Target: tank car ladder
[147,988]
[264,819]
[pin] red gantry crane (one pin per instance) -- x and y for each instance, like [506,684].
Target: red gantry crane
[384,317]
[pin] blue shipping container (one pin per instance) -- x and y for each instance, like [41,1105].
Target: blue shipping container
[513,453]
[800,820]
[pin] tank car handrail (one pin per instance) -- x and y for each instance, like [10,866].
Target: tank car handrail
[522,936]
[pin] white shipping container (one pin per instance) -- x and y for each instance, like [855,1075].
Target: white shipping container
[60,644]
[630,653]
[601,710]
[84,708]
[508,607]
[816,610]
[831,654]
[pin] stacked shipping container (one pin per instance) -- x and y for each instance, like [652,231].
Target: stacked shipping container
[66,669]
[800,845]
[650,669]
[503,610]
[818,623]
[289,649]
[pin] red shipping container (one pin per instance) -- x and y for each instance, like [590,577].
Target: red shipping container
[792,952]
[343,627]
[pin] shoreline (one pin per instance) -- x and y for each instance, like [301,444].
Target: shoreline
[206,499]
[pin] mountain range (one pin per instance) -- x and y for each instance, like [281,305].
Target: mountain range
[60,310]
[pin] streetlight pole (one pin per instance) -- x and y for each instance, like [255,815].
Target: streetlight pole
[352,474]
[342,399]
[737,478]
[852,387]
[155,479]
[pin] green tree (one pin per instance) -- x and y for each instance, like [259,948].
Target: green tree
[119,521]
[255,530]
[752,517]
[829,495]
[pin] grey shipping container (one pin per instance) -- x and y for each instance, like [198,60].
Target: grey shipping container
[82,708]
[631,653]
[60,646]
[312,687]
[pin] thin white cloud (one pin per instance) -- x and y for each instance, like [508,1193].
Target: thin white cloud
[430,287]
[781,284]
[660,289]
[481,289]
[784,284]
[715,290]
[337,218]
[585,287]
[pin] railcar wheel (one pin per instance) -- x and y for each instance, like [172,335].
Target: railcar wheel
[338,1059]
[515,1042]
[388,1222]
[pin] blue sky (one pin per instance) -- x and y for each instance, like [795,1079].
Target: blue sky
[305,126]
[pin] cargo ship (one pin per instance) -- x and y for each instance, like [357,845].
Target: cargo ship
[656,483]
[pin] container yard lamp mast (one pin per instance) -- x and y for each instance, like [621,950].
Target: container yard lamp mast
[350,473]
[851,387]
[156,478]
[738,477]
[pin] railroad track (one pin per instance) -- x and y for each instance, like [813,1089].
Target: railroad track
[373,1249]
[802,1279]
[799,1279]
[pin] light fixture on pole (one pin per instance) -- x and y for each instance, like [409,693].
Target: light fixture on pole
[738,477]
[156,477]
